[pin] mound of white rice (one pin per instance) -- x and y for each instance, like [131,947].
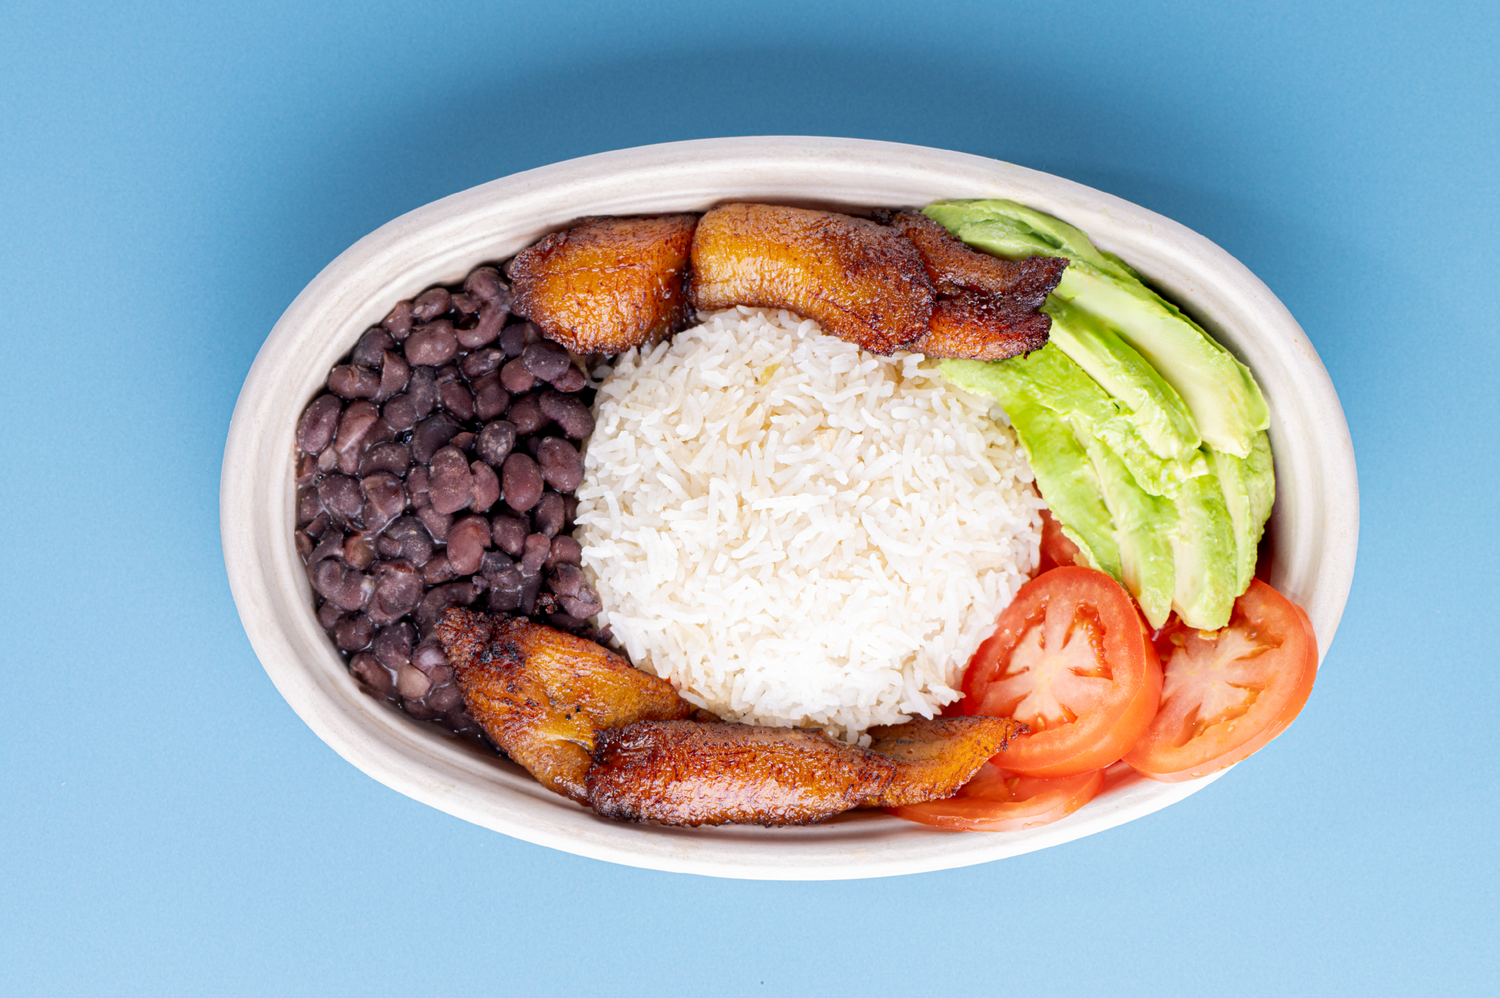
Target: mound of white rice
[796,532]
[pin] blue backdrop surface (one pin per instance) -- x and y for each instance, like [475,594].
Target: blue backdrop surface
[171,176]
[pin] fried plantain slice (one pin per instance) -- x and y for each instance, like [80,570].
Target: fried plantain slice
[936,757]
[542,695]
[861,281]
[606,284]
[686,773]
[955,267]
[976,326]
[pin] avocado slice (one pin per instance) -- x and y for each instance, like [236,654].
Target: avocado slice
[1204,555]
[1064,474]
[1145,527]
[1227,406]
[1051,378]
[1249,491]
[1153,405]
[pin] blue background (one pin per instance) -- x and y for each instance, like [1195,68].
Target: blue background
[172,175]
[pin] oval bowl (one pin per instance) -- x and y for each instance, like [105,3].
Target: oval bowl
[1312,535]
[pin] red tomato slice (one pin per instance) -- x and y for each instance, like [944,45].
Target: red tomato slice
[997,801]
[1227,693]
[1071,659]
[1057,549]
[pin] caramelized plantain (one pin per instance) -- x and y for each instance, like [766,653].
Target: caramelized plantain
[981,327]
[686,773]
[542,695]
[935,757]
[954,267]
[606,284]
[861,281]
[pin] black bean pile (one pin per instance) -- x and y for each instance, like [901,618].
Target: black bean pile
[437,471]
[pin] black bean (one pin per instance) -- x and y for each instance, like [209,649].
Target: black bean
[437,524]
[305,544]
[440,598]
[438,569]
[329,616]
[443,697]
[534,553]
[398,321]
[354,425]
[423,389]
[393,644]
[451,486]
[392,457]
[430,304]
[319,421]
[492,315]
[526,413]
[371,346]
[545,359]
[394,373]
[467,304]
[548,515]
[516,378]
[398,590]
[517,336]
[418,710]
[359,550]
[308,505]
[412,683]
[495,441]
[400,412]
[486,486]
[417,481]
[368,670]
[429,657]
[466,543]
[387,546]
[416,542]
[354,633]
[340,495]
[484,283]
[351,381]
[520,482]
[561,464]
[463,441]
[446,374]
[567,622]
[505,591]
[432,435]
[319,524]
[331,546]
[346,588]
[566,580]
[490,398]
[568,412]
[565,551]
[493,563]
[510,534]
[586,605]
[457,399]
[570,509]
[572,380]
[385,499]
[432,344]
[307,468]
[531,588]
[481,362]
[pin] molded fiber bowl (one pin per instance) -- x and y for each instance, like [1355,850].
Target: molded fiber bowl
[1312,534]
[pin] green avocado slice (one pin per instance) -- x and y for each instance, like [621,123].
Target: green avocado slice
[1249,491]
[1204,555]
[1219,392]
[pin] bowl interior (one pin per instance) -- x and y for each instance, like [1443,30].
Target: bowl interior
[1311,537]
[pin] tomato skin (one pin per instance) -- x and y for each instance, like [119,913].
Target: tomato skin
[1110,713]
[997,801]
[1282,675]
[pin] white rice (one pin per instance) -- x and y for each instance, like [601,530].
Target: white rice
[796,532]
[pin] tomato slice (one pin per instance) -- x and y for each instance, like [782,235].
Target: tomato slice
[1057,549]
[1227,693]
[1071,658]
[997,801]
